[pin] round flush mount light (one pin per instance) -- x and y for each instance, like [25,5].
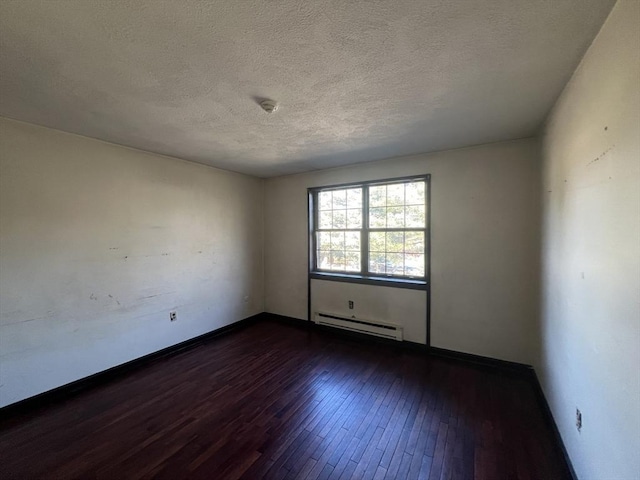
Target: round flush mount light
[269,106]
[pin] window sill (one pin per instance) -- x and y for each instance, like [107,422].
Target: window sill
[379,281]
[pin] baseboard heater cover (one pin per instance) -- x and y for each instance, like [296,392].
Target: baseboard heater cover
[370,327]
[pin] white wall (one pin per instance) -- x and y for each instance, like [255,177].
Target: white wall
[484,244]
[404,307]
[99,242]
[590,330]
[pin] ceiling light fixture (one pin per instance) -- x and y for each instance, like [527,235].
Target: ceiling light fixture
[269,106]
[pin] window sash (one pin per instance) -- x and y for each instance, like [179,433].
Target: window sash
[365,230]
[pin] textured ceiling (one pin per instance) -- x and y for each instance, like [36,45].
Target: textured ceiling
[356,80]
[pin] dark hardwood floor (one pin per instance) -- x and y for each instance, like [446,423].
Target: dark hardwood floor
[278,401]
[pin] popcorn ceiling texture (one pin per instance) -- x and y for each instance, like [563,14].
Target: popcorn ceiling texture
[356,80]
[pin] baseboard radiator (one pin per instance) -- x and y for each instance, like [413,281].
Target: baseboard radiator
[370,327]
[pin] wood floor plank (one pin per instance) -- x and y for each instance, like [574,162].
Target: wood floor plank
[278,401]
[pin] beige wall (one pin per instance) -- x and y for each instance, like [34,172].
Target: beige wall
[98,243]
[590,327]
[484,245]
[404,307]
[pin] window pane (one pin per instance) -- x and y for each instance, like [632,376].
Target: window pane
[414,242]
[395,263]
[352,241]
[414,265]
[339,219]
[337,240]
[325,219]
[415,193]
[395,217]
[395,194]
[354,198]
[378,196]
[324,260]
[354,218]
[337,260]
[377,242]
[323,240]
[397,253]
[339,199]
[377,262]
[415,216]
[324,200]
[377,217]
[353,262]
[395,242]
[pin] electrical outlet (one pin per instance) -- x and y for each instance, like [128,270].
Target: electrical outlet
[350,304]
[578,419]
[173,316]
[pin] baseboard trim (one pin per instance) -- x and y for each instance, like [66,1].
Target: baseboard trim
[546,411]
[63,392]
[482,361]
[297,322]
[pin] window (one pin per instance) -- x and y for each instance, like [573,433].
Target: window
[375,230]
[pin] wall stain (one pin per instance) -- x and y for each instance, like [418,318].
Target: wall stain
[26,320]
[93,297]
[601,156]
[111,297]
